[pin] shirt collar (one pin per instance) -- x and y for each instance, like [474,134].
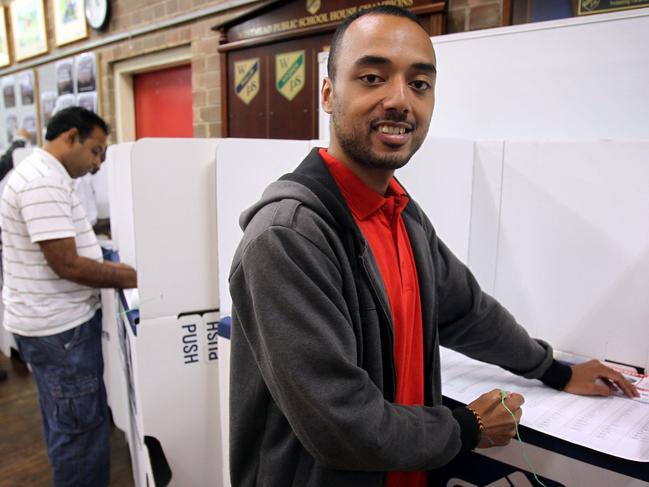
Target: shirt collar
[363,200]
[53,163]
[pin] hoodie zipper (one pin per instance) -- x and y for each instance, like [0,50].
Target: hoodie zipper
[386,316]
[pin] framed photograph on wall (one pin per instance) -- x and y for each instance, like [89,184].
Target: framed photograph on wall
[9,91]
[26,83]
[28,30]
[86,64]
[5,59]
[69,21]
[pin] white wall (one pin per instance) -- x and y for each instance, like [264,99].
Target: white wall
[568,79]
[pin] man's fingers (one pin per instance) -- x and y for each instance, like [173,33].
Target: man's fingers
[600,389]
[616,377]
[514,400]
[518,414]
[611,386]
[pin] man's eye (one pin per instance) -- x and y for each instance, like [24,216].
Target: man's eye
[371,79]
[420,85]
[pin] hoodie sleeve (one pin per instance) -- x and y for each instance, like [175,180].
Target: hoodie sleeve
[288,303]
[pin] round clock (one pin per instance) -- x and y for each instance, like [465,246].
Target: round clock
[97,13]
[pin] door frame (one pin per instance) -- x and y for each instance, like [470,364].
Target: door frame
[123,73]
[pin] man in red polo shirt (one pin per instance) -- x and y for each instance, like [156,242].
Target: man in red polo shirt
[342,293]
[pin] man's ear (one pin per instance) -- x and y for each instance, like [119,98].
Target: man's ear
[71,136]
[327,92]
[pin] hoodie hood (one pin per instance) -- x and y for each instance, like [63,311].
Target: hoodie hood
[312,185]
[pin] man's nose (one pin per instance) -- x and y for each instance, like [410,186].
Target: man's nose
[397,96]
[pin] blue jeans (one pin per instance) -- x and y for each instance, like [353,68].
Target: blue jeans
[68,369]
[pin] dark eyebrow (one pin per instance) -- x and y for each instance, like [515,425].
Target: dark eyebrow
[426,67]
[370,60]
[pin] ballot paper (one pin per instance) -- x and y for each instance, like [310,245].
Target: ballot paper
[614,425]
[640,381]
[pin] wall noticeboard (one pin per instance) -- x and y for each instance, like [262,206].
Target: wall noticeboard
[68,82]
[18,106]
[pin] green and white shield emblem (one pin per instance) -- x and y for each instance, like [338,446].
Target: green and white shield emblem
[290,74]
[246,79]
[312,6]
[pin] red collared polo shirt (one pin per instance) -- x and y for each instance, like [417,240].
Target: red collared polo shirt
[379,218]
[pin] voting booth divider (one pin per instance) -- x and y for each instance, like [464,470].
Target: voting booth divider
[160,344]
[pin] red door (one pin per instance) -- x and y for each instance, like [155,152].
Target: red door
[163,103]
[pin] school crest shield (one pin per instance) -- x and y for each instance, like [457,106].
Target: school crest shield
[589,5]
[290,73]
[246,79]
[312,6]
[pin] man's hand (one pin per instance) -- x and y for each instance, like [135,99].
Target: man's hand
[593,378]
[22,132]
[499,426]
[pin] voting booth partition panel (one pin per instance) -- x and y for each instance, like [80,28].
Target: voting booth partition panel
[559,236]
[161,370]
[573,245]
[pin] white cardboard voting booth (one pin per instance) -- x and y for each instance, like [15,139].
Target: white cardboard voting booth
[162,375]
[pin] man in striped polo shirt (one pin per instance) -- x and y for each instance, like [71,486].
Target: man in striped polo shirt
[52,269]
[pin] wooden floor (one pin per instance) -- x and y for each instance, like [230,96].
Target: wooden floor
[23,458]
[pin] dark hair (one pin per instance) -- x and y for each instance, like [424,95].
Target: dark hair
[337,38]
[75,117]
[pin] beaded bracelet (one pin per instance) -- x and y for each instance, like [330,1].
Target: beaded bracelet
[479,420]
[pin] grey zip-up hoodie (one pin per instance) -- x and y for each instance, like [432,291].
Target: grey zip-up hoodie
[312,371]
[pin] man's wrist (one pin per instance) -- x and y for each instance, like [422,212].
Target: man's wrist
[470,427]
[557,376]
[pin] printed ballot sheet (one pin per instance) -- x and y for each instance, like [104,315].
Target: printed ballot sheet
[614,425]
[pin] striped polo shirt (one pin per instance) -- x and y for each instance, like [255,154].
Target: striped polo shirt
[39,203]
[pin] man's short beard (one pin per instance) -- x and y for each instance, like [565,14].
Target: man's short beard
[359,149]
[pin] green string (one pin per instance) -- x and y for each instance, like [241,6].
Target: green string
[503,394]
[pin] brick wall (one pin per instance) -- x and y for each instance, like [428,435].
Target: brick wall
[465,15]
[205,60]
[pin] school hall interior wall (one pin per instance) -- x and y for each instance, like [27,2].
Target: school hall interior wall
[130,15]
[205,61]
[581,78]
